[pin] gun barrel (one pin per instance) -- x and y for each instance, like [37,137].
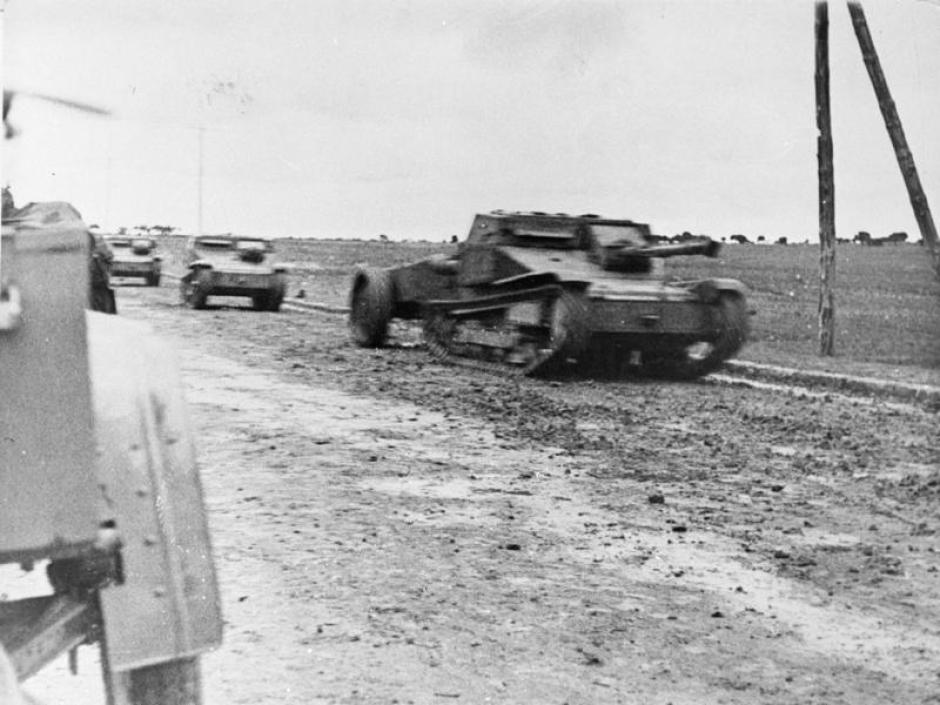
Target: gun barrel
[703,246]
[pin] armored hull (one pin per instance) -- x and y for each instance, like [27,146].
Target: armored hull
[535,293]
[135,257]
[226,265]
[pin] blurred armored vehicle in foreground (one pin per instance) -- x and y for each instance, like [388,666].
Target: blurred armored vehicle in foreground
[227,265]
[62,215]
[537,293]
[135,257]
[98,481]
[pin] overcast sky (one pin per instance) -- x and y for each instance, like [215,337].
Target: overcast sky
[350,118]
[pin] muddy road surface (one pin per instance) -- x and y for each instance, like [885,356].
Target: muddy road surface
[391,530]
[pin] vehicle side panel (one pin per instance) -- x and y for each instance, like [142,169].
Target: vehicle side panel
[48,487]
[421,281]
[651,317]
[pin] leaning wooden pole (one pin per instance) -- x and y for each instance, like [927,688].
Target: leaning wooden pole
[889,112]
[827,206]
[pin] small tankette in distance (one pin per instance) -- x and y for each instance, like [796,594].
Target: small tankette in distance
[536,293]
[135,257]
[229,265]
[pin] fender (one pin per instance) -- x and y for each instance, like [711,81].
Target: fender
[710,290]
[529,280]
[532,280]
[731,286]
[168,605]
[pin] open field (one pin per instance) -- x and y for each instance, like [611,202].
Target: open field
[887,300]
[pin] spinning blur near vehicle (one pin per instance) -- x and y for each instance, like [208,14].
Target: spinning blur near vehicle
[227,265]
[536,293]
[8,96]
[98,479]
[135,257]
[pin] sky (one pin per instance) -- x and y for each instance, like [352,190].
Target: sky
[354,118]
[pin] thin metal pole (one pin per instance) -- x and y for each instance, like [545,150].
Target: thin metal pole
[199,187]
[889,112]
[827,206]
[107,188]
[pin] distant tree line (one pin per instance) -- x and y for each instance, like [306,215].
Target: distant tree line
[740,239]
[862,238]
[147,229]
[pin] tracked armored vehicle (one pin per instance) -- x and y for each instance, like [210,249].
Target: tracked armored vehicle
[135,257]
[535,293]
[228,265]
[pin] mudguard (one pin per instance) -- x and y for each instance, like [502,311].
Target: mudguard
[732,286]
[199,264]
[167,607]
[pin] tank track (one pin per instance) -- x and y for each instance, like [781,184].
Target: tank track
[461,332]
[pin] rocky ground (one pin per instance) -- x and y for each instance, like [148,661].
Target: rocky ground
[391,530]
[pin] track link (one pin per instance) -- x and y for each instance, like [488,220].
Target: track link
[562,332]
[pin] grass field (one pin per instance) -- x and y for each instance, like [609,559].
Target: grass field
[887,299]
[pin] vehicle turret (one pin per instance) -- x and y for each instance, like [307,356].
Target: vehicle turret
[632,257]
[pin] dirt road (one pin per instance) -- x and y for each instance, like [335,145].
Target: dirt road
[391,530]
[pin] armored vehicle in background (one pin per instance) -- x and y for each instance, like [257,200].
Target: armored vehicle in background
[135,257]
[535,293]
[228,265]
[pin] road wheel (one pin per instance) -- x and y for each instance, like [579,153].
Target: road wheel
[700,358]
[370,307]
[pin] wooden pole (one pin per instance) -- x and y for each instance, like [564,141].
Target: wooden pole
[889,112]
[827,210]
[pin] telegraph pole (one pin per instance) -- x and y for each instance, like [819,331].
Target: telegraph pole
[889,112]
[827,210]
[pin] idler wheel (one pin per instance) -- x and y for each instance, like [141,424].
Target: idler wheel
[370,307]
[700,358]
